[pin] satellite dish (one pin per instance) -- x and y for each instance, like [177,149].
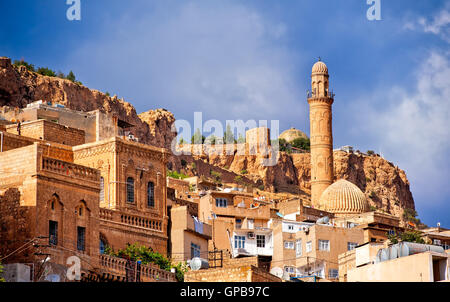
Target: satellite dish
[198,263]
[277,271]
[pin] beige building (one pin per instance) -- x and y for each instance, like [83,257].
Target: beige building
[303,249]
[188,236]
[427,266]
[240,223]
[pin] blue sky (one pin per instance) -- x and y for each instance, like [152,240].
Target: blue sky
[252,59]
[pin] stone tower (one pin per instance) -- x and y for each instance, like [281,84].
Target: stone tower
[320,100]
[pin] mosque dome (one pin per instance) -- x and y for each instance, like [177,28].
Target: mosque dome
[292,134]
[320,67]
[343,197]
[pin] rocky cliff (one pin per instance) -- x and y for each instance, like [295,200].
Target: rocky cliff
[385,185]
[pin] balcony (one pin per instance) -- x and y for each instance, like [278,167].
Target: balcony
[312,94]
[118,217]
[69,169]
[149,272]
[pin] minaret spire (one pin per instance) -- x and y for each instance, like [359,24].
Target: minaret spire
[320,101]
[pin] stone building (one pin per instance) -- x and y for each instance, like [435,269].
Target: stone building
[73,183]
[305,249]
[240,223]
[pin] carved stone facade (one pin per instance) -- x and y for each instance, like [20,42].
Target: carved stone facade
[65,200]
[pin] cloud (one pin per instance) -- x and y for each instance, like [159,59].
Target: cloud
[224,59]
[439,24]
[413,130]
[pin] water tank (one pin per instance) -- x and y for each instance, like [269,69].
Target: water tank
[382,255]
[198,263]
[411,248]
[323,220]
[394,252]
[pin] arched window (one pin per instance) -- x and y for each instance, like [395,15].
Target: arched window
[102,189]
[130,190]
[151,195]
[102,246]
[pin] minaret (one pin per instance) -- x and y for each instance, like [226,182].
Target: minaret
[320,100]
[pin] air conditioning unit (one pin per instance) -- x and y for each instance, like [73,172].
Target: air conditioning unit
[251,235]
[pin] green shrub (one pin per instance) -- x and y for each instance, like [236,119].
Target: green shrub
[28,66]
[177,175]
[135,252]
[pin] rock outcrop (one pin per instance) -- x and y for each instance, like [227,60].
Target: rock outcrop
[19,87]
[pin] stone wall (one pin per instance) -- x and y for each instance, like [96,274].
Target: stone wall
[245,273]
[45,130]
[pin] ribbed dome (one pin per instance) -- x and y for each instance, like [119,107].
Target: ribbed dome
[292,134]
[343,197]
[320,67]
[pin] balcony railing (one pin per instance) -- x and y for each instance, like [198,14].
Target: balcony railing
[313,94]
[133,220]
[147,273]
[69,169]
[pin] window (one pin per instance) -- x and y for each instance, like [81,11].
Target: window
[260,241]
[324,245]
[130,190]
[351,246]
[151,195]
[298,248]
[308,246]
[102,189]
[53,205]
[250,223]
[333,273]
[195,250]
[102,246]
[80,211]
[289,245]
[239,242]
[290,227]
[289,269]
[81,238]
[238,223]
[53,232]
[221,202]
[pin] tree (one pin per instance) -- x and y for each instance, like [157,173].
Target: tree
[46,72]
[217,176]
[71,76]
[406,236]
[228,136]
[301,143]
[197,138]
[410,215]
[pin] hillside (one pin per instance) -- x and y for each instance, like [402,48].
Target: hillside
[385,185]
